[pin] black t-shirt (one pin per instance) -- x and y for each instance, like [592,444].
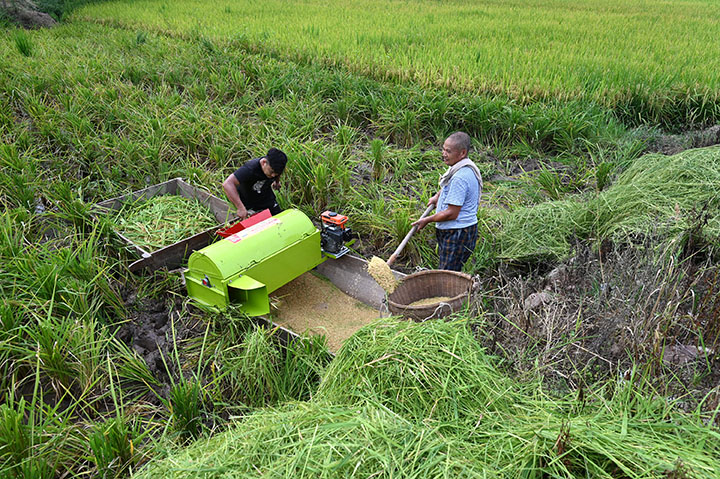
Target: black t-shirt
[255,189]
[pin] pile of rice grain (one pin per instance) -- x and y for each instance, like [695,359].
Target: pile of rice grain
[429,301]
[381,272]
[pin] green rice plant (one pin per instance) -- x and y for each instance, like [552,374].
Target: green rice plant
[603,174]
[344,134]
[256,368]
[184,403]
[133,375]
[17,184]
[69,354]
[377,150]
[20,440]
[140,38]
[15,437]
[113,444]
[551,183]
[302,365]
[23,43]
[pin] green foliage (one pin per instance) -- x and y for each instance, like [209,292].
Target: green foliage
[392,412]
[658,195]
[642,75]
[185,403]
[21,440]
[113,446]
[23,43]
[112,110]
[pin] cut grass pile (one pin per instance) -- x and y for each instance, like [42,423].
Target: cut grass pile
[667,196]
[406,399]
[163,220]
[436,374]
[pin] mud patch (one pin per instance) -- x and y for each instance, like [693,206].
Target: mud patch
[148,330]
[673,144]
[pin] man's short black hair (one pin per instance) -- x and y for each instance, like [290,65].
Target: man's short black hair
[277,160]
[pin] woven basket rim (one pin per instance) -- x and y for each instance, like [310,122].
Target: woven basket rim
[407,307]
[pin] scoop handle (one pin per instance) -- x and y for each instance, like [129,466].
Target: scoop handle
[405,240]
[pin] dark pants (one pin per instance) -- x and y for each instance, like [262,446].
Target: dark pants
[455,246]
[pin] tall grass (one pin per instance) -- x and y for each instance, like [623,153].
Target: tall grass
[658,71]
[23,43]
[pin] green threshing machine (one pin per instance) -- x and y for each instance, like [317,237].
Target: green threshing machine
[260,254]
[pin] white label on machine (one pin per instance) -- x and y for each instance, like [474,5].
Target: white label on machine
[254,229]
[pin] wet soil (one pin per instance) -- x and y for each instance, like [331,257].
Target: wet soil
[149,330]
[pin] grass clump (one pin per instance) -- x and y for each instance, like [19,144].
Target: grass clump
[320,440]
[23,43]
[667,196]
[437,374]
[163,220]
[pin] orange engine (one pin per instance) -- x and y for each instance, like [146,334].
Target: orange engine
[332,218]
[334,236]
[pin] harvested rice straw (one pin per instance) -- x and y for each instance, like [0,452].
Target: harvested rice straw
[381,272]
[427,301]
[163,220]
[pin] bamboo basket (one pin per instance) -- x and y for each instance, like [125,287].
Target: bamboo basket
[429,284]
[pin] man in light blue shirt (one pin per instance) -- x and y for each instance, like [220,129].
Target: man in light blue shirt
[456,204]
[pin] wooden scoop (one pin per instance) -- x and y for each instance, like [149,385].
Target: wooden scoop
[405,240]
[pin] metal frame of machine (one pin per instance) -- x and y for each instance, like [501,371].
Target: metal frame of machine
[245,267]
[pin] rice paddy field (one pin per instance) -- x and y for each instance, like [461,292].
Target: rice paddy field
[591,349]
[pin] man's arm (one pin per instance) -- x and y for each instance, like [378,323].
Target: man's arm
[448,214]
[230,186]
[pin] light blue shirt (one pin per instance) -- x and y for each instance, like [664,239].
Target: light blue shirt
[464,191]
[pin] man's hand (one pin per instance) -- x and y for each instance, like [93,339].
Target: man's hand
[242,212]
[421,223]
[276,185]
[434,199]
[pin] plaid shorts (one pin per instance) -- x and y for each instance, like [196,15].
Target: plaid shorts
[455,245]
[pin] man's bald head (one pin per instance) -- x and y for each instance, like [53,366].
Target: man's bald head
[460,140]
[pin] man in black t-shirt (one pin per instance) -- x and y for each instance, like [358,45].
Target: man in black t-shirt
[250,187]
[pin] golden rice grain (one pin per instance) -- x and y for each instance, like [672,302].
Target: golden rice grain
[381,272]
[428,301]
